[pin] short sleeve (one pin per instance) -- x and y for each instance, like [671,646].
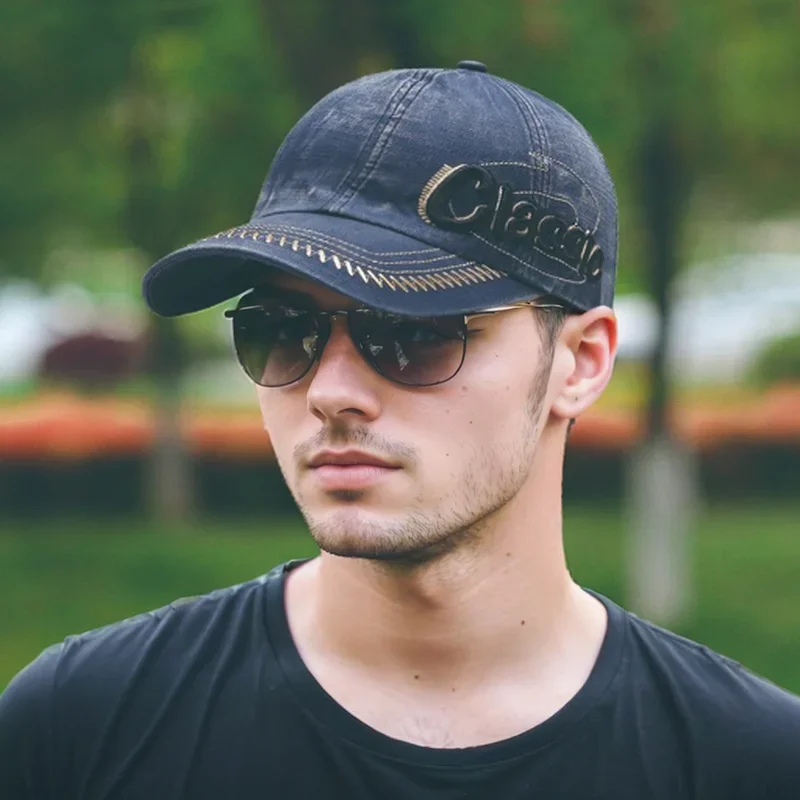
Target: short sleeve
[763,757]
[775,768]
[26,734]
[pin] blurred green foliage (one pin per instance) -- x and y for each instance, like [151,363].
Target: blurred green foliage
[779,362]
[87,574]
[146,124]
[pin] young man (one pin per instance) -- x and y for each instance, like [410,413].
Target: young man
[428,279]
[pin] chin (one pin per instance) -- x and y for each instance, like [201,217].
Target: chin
[409,539]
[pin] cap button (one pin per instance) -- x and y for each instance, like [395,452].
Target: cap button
[475,66]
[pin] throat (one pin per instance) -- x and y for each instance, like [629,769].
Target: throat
[452,629]
[428,678]
[446,719]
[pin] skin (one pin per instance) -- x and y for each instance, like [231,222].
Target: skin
[441,610]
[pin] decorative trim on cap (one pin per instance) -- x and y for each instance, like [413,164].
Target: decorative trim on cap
[429,280]
[429,188]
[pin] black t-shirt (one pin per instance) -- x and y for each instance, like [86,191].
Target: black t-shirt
[208,699]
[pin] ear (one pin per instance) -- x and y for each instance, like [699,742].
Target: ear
[584,361]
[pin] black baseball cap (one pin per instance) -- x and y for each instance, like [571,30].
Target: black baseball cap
[422,192]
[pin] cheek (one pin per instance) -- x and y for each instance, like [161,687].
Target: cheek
[496,415]
[473,423]
[498,389]
[283,418]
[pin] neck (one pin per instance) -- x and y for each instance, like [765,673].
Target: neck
[504,604]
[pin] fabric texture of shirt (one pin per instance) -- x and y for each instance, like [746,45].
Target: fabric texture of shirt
[208,699]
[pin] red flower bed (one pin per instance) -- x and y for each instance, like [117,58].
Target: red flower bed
[53,427]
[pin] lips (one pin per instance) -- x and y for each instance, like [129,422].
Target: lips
[349,470]
[348,458]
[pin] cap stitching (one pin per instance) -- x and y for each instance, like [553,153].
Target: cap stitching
[416,280]
[324,241]
[533,167]
[557,197]
[514,164]
[320,234]
[533,266]
[550,196]
[512,95]
[540,128]
[343,188]
[405,98]
[323,237]
[588,189]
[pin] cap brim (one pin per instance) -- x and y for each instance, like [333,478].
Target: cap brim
[376,266]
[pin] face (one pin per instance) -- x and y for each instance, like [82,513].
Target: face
[449,456]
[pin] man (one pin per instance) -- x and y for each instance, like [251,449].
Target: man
[427,285]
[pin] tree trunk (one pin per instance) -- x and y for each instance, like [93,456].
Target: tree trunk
[662,480]
[169,478]
[168,483]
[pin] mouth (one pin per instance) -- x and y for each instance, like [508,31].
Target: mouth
[349,470]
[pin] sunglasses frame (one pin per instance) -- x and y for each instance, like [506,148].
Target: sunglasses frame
[318,313]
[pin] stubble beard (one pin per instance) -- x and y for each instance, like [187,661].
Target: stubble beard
[492,478]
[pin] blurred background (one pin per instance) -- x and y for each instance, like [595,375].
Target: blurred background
[133,467]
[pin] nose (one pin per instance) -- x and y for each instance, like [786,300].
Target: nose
[344,385]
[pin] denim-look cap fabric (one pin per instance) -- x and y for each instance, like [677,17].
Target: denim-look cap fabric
[422,192]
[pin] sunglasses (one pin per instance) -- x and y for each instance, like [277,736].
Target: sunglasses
[278,345]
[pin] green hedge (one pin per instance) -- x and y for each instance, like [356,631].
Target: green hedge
[65,577]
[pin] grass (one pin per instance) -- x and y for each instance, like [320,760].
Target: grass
[63,578]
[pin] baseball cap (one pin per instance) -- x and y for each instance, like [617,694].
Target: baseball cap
[422,192]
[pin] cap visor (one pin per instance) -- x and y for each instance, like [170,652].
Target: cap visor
[373,265]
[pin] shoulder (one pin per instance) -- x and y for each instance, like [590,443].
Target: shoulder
[26,729]
[716,682]
[163,640]
[75,690]
[744,725]
[155,636]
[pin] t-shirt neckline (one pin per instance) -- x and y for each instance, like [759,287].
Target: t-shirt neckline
[322,707]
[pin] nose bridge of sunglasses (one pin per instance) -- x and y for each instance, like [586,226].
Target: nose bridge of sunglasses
[335,327]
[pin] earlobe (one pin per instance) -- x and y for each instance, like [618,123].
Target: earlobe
[591,339]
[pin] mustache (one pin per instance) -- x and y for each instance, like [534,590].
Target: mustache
[356,437]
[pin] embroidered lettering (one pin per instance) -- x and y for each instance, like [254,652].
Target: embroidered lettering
[469,198]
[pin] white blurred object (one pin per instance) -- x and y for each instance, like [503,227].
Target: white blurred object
[71,309]
[638,326]
[121,317]
[31,321]
[24,333]
[728,311]
[724,314]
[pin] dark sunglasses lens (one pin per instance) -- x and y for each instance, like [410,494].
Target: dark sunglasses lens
[275,348]
[409,351]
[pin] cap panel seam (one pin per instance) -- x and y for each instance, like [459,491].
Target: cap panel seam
[405,96]
[511,93]
[373,135]
[550,158]
[541,130]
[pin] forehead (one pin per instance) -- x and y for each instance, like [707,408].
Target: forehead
[282,285]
